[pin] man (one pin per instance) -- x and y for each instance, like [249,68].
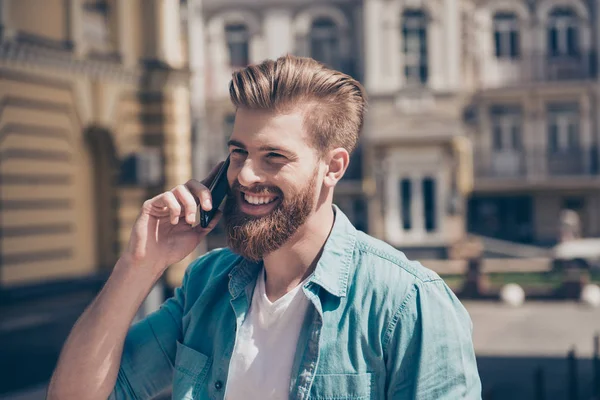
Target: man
[301,304]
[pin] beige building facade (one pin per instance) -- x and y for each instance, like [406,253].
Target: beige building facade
[413,137]
[94,119]
[534,118]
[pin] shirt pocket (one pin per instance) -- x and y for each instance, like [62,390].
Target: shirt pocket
[191,370]
[342,386]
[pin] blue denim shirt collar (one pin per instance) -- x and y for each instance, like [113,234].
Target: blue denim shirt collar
[332,270]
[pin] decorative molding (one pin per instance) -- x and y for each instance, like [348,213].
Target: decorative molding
[34,130]
[38,204]
[39,56]
[43,105]
[577,5]
[36,179]
[216,24]
[303,21]
[55,83]
[33,256]
[36,230]
[40,155]
[491,7]
[42,41]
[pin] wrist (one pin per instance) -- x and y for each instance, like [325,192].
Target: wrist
[137,270]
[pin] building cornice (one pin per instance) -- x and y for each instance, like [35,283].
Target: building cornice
[61,59]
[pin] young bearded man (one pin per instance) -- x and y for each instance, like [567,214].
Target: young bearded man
[301,304]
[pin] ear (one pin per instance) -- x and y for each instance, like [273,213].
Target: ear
[336,167]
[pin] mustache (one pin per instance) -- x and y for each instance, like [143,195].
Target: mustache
[257,189]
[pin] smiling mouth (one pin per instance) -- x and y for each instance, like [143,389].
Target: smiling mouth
[258,200]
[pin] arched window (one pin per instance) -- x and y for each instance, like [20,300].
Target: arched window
[325,42]
[237,37]
[96,26]
[563,32]
[506,35]
[414,35]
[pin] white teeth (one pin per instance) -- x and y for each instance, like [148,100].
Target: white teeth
[258,200]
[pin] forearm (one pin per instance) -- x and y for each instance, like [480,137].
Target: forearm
[90,359]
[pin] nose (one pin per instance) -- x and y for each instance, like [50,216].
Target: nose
[249,174]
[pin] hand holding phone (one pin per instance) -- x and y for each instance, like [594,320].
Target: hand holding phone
[219,188]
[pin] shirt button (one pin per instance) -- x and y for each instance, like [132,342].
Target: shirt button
[218,385]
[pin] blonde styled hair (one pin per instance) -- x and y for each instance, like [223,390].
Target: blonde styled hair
[333,103]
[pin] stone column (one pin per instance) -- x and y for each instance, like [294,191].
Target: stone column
[278,37]
[483,149]
[586,133]
[417,207]
[484,42]
[124,14]
[393,64]
[373,10]
[393,216]
[218,65]
[197,65]
[541,127]
[435,61]
[358,39]
[7,30]
[169,33]
[531,149]
[75,28]
[453,44]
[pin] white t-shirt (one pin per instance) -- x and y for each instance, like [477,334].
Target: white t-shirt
[261,363]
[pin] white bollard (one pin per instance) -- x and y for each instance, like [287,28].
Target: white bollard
[590,295]
[512,295]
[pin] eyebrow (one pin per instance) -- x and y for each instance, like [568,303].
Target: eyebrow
[241,145]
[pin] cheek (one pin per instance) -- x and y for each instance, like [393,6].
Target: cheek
[231,176]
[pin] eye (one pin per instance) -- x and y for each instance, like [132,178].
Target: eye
[275,155]
[238,152]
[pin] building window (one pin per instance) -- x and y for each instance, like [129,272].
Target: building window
[406,196]
[506,35]
[563,33]
[429,204]
[563,127]
[324,42]
[96,27]
[238,42]
[506,128]
[414,35]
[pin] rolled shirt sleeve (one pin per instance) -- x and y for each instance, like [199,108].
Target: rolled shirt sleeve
[430,349]
[149,350]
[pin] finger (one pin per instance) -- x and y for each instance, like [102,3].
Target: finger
[173,205]
[213,222]
[188,201]
[201,192]
[213,173]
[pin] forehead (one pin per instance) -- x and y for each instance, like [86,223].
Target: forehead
[257,128]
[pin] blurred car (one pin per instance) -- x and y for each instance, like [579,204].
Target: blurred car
[581,253]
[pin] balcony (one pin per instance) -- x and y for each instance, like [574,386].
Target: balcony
[537,165]
[538,68]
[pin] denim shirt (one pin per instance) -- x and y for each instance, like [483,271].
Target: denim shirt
[379,326]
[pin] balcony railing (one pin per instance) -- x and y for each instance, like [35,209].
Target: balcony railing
[538,163]
[500,72]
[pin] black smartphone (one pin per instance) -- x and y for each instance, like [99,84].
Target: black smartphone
[218,190]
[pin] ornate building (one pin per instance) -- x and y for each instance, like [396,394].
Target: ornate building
[534,117]
[94,119]
[404,184]
[494,96]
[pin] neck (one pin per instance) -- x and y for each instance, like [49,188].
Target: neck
[297,259]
